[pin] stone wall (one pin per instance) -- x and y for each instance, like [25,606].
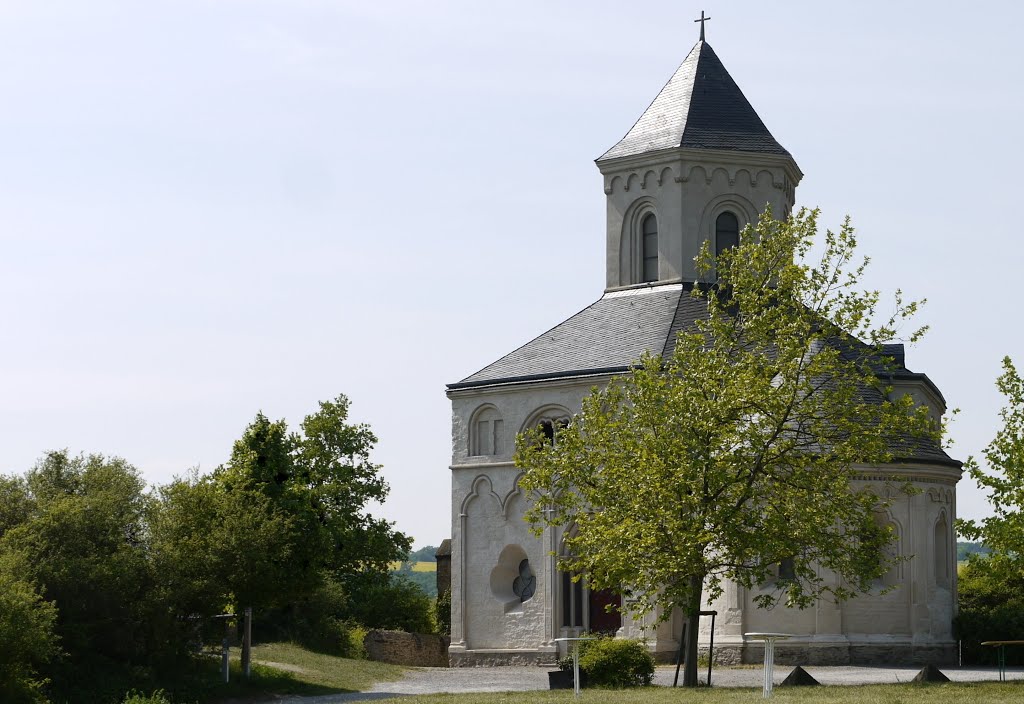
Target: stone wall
[400,648]
[444,566]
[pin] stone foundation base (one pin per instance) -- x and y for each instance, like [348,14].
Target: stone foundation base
[751,654]
[497,658]
[841,654]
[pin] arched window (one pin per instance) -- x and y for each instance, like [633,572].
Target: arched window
[649,229]
[727,232]
[572,601]
[551,426]
[487,433]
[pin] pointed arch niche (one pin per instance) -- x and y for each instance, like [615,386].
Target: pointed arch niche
[893,550]
[942,545]
[639,244]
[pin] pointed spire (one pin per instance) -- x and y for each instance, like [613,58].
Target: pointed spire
[700,107]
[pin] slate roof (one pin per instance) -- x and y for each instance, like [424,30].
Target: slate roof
[700,107]
[607,336]
[611,334]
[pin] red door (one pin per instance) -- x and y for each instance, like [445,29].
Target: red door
[601,620]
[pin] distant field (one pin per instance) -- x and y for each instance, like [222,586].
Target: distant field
[415,566]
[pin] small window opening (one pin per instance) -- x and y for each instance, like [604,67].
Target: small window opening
[649,229]
[549,428]
[727,232]
[787,570]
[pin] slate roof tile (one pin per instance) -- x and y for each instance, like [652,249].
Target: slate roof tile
[611,334]
[700,107]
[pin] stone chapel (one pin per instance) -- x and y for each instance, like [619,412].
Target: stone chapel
[699,164]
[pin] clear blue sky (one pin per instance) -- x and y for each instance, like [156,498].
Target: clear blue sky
[212,208]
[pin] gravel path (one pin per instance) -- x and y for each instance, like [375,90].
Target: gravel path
[522,679]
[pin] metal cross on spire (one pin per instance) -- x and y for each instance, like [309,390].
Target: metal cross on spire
[702,20]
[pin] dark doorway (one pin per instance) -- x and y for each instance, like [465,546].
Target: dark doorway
[601,620]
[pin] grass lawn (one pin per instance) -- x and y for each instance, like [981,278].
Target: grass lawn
[286,669]
[972,693]
[332,673]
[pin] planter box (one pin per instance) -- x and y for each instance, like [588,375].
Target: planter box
[562,679]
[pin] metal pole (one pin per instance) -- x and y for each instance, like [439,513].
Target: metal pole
[576,668]
[679,655]
[711,647]
[225,659]
[247,643]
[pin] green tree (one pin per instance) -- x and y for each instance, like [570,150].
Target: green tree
[390,602]
[714,462]
[15,503]
[28,640]
[990,586]
[1002,533]
[281,524]
[991,606]
[82,541]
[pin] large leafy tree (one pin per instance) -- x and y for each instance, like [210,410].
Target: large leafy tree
[284,516]
[26,631]
[80,539]
[1003,532]
[739,449]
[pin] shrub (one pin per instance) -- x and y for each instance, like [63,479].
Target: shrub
[354,637]
[157,697]
[390,604]
[991,593]
[612,662]
[443,613]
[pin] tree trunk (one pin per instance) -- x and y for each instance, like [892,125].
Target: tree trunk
[693,624]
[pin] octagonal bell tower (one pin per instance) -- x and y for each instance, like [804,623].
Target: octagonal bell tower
[698,165]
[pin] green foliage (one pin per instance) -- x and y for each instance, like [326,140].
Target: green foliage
[424,554]
[965,550]
[991,594]
[282,527]
[991,589]
[157,697]
[616,662]
[15,503]
[714,462]
[1003,532]
[425,581]
[316,484]
[389,603]
[106,588]
[27,641]
[443,613]
[82,542]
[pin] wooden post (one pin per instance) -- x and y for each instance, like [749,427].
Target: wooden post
[247,643]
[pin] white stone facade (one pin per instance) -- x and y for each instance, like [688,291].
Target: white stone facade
[911,623]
